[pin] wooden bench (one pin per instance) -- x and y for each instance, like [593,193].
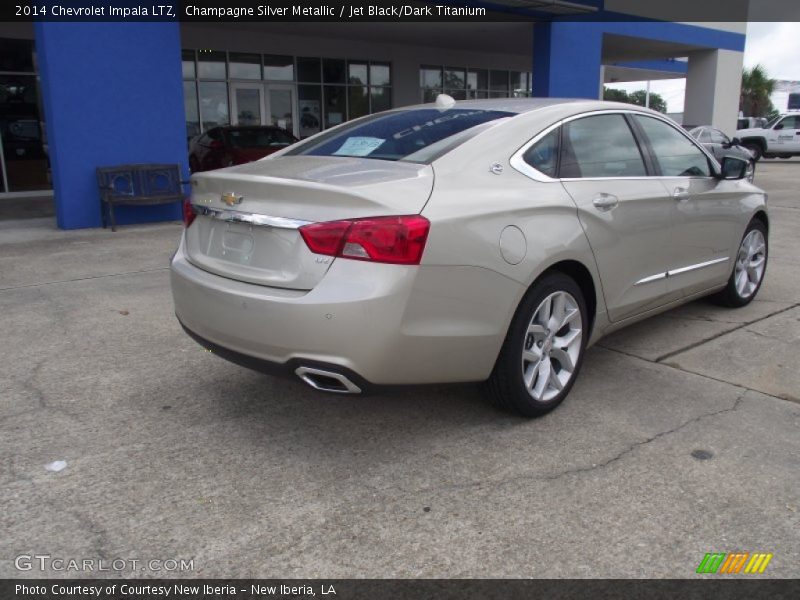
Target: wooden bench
[137,184]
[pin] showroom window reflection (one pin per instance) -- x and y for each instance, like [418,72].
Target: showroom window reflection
[328,91]
[464,83]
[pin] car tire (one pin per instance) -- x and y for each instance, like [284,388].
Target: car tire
[749,268]
[785,156]
[755,149]
[519,382]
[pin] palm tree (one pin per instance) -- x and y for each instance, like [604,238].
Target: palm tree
[757,87]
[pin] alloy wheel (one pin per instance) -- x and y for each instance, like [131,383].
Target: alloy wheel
[750,263]
[552,346]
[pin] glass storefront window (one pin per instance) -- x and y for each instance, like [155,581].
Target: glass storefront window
[309,102]
[317,92]
[478,79]
[25,162]
[244,66]
[457,94]
[357,73]
[308,70]
[16,55]
[498,82]
[454,79]
[519,84]
[381,98]
[359,101]
[278,68]
[333,70]
[190,106]
[187,64]
[430,77]
[380,74]
[210,64]
[335,105]
[213,103]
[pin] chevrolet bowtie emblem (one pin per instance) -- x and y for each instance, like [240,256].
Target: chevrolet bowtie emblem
[230,198]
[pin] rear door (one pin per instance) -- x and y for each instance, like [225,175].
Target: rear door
[623,211]
[706,213]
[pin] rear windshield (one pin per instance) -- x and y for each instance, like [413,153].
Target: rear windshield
[258,137]
[412,135]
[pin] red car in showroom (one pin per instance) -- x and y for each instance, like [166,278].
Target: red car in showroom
[235,145]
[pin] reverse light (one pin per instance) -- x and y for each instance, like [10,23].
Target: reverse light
[188,212]
[395,240]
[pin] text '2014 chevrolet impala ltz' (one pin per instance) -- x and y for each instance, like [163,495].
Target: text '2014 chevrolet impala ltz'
[484,241]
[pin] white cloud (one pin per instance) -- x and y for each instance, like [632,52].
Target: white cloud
[776,46]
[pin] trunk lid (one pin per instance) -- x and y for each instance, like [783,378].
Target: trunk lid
[292,189]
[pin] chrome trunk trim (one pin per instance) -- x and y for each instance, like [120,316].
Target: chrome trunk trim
[237,216]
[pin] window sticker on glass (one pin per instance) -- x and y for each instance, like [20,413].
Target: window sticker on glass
[359,146]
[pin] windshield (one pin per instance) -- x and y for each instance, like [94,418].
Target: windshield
[413,135]
[259,137]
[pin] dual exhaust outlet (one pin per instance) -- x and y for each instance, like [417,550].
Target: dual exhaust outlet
[327,381]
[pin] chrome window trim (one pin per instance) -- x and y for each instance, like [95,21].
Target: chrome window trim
[519,164]
[237,216]
[680,270]
[708,263]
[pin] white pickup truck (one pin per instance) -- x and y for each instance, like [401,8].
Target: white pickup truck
[780,137]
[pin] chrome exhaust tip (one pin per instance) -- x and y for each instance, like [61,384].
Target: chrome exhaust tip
[327,381]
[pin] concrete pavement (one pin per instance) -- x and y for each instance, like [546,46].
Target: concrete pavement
[173,453]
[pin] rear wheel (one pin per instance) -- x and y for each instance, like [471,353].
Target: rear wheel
[749,268]
[543,350]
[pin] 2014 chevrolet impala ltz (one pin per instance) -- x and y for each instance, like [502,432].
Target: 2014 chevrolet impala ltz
[486,241]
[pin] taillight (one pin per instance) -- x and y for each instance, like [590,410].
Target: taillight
[395,240]
[188,212]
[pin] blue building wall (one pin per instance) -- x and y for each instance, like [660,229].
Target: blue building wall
[112,94]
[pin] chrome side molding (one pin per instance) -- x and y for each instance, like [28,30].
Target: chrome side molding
[238,216]
[673,272]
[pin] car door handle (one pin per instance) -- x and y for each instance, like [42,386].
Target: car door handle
[681,193]
[604,202]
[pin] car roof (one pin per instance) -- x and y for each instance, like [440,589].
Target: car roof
[525,105]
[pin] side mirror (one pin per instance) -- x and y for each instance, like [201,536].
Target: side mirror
[736,142]
[778,126]
[733,168]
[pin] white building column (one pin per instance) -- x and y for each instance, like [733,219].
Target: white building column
[713,84]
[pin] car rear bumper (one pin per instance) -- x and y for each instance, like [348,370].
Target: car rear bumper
[379,324]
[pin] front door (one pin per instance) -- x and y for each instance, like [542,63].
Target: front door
[705,211]
[281,111]
[264,104]
[785,135]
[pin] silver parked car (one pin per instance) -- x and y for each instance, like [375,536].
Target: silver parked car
[479,241]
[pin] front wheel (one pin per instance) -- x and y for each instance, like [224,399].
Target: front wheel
[543,350]
[749,268]
[756,150]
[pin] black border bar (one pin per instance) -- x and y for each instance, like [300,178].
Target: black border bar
[702,588]
[400,11]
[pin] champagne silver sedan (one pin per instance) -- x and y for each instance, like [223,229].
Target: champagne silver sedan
[480,241]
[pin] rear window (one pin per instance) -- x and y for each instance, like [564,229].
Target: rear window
[259,138]
[413,135]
